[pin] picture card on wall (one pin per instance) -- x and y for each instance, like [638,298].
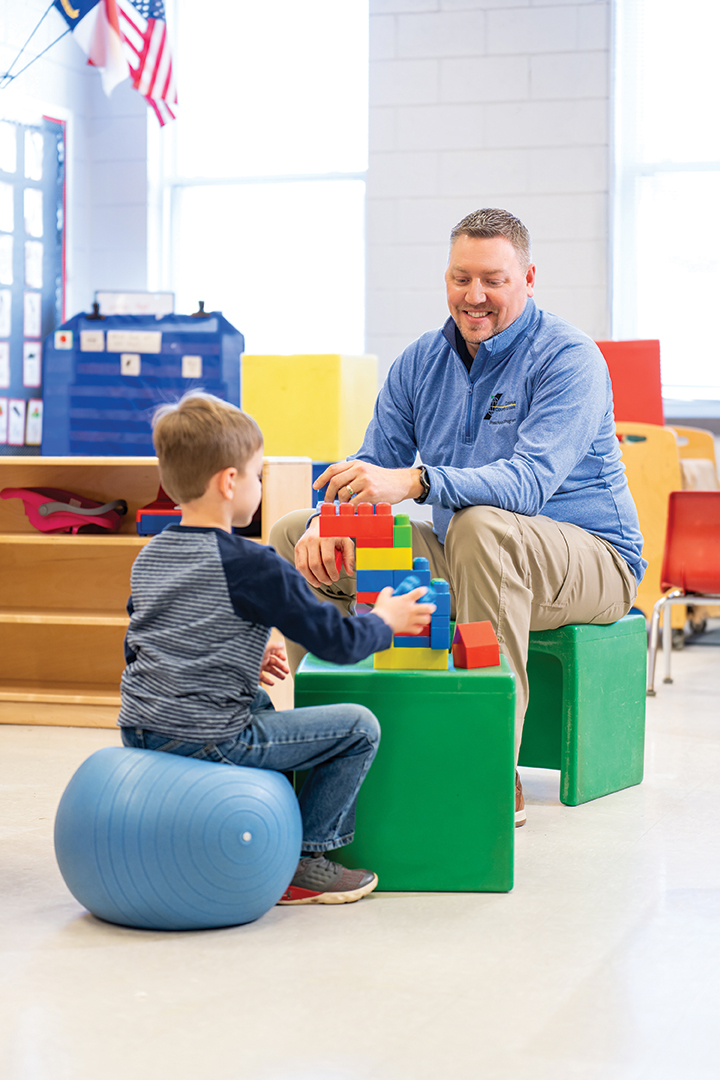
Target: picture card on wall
[32,314]
[32,363]
[3,419]
[6,260]
[16,422]
[33,205]
[33,428]
[7,217]
[8,147]
[4,364]
[5,313]
[34,264]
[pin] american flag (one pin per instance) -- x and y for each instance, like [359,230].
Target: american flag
[144,34]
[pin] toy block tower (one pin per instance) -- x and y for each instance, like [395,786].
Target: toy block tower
[383,559]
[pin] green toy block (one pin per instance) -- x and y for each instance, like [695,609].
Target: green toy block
[402,531]
[586,715]
[428,818]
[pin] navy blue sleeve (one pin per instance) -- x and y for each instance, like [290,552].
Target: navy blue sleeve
[265,589]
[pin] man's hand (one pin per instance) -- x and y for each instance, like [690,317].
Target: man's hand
[274,665]
[316,557]
[360,482]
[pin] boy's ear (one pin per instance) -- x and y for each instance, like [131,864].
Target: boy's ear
[226,481]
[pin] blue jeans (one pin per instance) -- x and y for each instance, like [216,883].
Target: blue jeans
[337,743]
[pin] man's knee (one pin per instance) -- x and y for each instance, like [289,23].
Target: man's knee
[286,532]
[485,526]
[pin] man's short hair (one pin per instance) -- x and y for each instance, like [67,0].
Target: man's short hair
[198,436]
[490,222]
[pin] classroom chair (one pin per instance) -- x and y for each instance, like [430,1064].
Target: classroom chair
[691,565]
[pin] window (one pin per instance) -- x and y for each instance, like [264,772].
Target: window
[667,192]
[260,183]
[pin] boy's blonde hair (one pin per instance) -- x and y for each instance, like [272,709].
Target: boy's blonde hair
[198,436]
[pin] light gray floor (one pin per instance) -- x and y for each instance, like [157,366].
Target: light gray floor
[602,964]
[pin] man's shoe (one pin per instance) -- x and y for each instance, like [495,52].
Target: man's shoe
[520,815]
[319,881]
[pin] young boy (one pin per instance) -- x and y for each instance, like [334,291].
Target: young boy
[203,601]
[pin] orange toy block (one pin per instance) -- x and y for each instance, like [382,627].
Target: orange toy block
[475,645]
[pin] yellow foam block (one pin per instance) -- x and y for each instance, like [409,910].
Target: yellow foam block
[383,558]
[312,406]
[393,659]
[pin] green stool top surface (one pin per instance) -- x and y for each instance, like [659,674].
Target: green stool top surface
[495,680]
[582,632]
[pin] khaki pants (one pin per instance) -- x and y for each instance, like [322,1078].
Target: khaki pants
[521,573]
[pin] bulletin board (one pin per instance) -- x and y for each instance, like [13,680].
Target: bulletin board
[32,279]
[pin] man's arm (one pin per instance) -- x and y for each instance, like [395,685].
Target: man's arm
[570,403]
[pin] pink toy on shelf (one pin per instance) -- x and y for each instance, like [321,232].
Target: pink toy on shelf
[52,510]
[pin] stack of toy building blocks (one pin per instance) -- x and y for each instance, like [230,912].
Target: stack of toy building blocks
[384,559]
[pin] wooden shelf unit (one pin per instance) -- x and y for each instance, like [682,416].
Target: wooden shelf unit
[63,598]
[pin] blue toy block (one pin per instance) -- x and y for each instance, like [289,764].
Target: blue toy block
[318,468]
[440,637]
[420,564]
[405,584]
[442,603]
[401,641]
[440,621]
[419,577]
[374,580]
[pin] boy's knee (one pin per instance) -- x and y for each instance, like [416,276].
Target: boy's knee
[367,723]
[286,532]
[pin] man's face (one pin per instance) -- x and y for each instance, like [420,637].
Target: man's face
[486,287]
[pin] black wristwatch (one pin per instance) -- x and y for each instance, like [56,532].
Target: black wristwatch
[425,481]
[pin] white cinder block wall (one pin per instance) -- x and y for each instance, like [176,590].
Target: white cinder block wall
[486,103]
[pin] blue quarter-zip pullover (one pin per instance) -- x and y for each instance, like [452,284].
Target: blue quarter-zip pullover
[529,428]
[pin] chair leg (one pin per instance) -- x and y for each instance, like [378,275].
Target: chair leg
[667,642]
[652,653]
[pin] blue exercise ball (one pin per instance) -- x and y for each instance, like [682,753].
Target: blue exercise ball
[161,842]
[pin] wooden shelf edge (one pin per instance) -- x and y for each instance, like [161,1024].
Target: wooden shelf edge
[62,618]
[59,696]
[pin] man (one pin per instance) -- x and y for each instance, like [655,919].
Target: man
[510,410]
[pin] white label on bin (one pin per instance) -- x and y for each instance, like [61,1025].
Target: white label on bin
[63,339]
[92,340]
[192,367]
[129,363]
[141,341]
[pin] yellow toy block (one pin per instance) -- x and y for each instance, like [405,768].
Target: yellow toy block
[312,406]
[384,558]
[393,659]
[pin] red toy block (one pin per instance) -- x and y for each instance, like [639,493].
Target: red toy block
[368,528]
[475,645]
[367,597]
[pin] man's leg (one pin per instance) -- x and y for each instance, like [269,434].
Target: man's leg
[531,573]
[284,535]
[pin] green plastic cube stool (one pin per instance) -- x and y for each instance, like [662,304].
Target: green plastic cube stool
[436,811]
[586,715]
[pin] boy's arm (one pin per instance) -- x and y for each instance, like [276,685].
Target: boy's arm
[265,589]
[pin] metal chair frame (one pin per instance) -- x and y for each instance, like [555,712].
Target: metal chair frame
[675,596]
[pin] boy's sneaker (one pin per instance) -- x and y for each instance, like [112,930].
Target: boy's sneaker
[520,815]
[319,881]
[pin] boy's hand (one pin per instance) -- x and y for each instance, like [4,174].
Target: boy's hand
[274,663]
[403,614]
[316,557]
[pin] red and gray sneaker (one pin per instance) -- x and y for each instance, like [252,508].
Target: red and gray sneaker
[319,881]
